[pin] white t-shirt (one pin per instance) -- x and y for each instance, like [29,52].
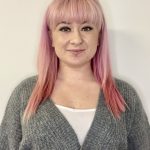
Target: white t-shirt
[79,119]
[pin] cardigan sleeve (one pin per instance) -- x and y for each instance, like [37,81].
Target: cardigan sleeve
[10,129]
[139,134]
[137,124]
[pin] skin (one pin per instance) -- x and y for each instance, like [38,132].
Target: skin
[75,70]
[67,36]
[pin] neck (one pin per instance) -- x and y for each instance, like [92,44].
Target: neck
[76,74]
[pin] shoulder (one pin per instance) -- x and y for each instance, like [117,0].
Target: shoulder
[27,83]
[22,92]
[124,86]
[136,119]
[19,98]
[133,101]
[128,92]
[130,96]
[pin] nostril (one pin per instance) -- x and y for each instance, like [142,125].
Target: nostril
[76,40]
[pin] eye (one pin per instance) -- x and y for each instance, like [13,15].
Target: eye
[64,29]
[87,28]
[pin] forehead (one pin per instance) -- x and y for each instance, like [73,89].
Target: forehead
[69,11]
[70,21]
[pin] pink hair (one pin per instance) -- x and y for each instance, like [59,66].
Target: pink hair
[48,63]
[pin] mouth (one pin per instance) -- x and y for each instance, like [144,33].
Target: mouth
[76,50]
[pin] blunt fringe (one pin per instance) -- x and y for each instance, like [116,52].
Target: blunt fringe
[48,63]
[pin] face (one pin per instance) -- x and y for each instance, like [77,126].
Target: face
[75,44]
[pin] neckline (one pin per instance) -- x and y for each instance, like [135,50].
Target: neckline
[103,124]
[75,109]
[93,124]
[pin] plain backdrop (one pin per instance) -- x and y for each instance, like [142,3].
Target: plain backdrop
[128,29]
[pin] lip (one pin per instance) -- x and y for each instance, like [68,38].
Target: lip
[76,50]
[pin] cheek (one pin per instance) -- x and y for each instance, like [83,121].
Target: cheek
[59,45]
[59,42]
[93,42]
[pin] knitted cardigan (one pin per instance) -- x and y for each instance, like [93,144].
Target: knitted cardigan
[50,130]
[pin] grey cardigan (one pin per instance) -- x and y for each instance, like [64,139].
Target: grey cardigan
[50,130]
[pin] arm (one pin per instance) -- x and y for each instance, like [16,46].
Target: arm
[137,125]
[139,135]
[10,129]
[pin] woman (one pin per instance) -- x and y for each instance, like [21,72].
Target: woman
[74,102]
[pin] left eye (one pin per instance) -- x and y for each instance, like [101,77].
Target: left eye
[88,28]
[64,29]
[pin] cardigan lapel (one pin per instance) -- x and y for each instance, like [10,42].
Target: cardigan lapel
[100,128]
[59,126]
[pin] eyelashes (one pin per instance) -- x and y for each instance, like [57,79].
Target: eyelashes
[68,29]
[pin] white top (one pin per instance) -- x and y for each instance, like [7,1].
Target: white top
[79,119]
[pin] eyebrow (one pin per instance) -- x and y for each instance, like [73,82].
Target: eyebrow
[64,22]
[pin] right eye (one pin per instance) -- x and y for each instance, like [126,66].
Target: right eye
[64,29]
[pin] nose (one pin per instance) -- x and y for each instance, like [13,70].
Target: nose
[76,38]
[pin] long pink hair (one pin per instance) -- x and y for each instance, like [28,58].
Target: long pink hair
[48,62]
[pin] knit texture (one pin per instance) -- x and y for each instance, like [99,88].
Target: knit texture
[50,130]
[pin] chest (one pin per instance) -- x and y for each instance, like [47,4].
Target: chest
[49,129]
[79,96]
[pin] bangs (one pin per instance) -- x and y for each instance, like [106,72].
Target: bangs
[74,11]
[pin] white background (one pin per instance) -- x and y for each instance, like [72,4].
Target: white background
[129,36]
